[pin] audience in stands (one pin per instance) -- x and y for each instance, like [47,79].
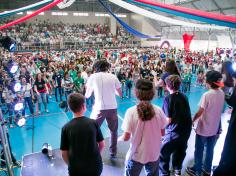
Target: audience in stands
[49,74]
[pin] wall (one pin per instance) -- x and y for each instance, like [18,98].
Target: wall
[195,45]
[141,24]
[91,19]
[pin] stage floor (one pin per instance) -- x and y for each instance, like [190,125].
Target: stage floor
[48,129]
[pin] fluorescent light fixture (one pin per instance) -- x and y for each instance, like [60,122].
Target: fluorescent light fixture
[80,14]
[54,13]
[102,15]
[121,15]
[29,12]
[20,13]
[64,13]
[59,13]
[42,13]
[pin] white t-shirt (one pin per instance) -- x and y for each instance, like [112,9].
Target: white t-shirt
[218,67]
[26,90]
[104,86]
[146,136]
[212,102]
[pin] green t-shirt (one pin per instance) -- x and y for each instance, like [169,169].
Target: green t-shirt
[79,82]
[186,77]
[73,74]
[61,72]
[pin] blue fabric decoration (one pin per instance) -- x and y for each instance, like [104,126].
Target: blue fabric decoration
[176,13]
[23,9]
[126,26]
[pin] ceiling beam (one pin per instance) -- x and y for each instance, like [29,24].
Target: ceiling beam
[220,9]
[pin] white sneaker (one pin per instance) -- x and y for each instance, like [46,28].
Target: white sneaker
[47,111]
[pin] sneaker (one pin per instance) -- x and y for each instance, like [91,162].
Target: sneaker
[190,171]
[47,111]
[177,172]
[11,126]
[205,173]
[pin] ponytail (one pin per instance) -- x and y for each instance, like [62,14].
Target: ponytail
[145,111]
[145,92]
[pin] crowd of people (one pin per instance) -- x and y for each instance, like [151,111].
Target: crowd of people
[98,74]
[45,33]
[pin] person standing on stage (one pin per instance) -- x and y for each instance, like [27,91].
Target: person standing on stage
[228,156]
[177,110]
[81,141]
[208,127]
[105,85]
[144,124]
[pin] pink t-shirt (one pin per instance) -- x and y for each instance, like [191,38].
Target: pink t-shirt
[212,102]
[146,136]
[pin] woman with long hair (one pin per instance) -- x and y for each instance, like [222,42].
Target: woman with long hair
[170,69]
[143,124]
[227,70]
[41,89]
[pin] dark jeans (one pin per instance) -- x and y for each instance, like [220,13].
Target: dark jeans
[175,147]
[134,168]
[123,88]
[58,90]
[200,143]
[28,101]
[67,93]
[112,121]
[128,91]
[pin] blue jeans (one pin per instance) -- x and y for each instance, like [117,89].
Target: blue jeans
[28,101]
[134,168]
[42,98]
[59,90]
[90,101]
[200,143]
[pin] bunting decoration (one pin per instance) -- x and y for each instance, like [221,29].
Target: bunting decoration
[162,18]
[126,26]
[206,17]
[23,9]
[187,41]
[20,20]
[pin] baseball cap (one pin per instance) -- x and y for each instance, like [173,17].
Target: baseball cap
[215,78]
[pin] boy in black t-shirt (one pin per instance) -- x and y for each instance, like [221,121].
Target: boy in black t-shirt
[81,141]
[177,110]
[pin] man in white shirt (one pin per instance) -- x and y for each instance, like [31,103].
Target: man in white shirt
[208,127]
[218,65]
[105,85]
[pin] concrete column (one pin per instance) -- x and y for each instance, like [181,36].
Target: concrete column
[113,25]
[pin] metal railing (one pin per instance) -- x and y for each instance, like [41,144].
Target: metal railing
[30,46]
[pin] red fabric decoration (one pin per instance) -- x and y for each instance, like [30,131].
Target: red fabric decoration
[187,41]
[20,20]
[191,11]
